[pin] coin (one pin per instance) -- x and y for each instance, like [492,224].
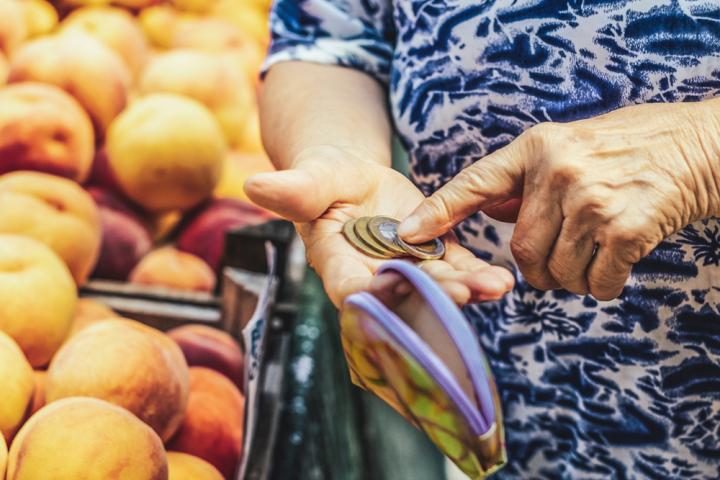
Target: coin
[384,230]
[432,250]
[354,240]
[363,232]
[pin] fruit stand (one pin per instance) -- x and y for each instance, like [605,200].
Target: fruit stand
[145,304]
[137,281]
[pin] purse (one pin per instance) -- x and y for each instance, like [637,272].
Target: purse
[422,358]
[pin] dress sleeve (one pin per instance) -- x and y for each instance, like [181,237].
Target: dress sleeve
[352,33]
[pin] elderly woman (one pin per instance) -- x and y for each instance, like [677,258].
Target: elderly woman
[590,125]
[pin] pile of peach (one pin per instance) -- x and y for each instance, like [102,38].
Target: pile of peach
[87,394]
[127,129]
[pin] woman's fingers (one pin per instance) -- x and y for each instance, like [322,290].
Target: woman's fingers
[570,257]
[538,227]
[607,274]
[485,281]
[490,181]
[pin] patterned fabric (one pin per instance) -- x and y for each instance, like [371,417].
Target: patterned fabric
[627,389]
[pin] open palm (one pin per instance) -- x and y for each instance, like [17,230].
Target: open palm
[320,194]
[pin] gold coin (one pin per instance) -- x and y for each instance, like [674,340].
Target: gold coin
[363,233]
[352,238]
[432,250]
[384,230]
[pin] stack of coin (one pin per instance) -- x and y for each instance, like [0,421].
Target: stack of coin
[377,237]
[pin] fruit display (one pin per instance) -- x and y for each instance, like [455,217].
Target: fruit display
[127,130]
[148,105]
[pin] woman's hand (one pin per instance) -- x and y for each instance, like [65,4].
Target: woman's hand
[597,195]
[328,186]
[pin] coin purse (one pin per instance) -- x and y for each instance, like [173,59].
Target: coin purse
[423,359]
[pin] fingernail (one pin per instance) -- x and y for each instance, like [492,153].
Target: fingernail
[409,226]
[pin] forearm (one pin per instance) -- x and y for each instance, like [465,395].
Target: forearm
[703,154]
[306,106]
[708,128]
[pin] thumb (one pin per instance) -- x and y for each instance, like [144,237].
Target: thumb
[487,183]
[292,194]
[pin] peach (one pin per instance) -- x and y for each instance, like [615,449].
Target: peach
[125,240]
[38,399]
[40,17]
[170,268]
[37,297]
[81,65]
[159,23]
[220,35]
[13,30]
[213,425]
[56,211]
[209,78]
[128,364]
[248,18]
[237,168]
[89,312]
[166,152]
[209,347]
[116,28]
[89,439]
[43,128]
[207,33]
[17,387]
[3,456]
[189,467]
[202,232]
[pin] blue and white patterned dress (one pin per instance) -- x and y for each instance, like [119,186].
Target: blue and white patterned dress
[627,389]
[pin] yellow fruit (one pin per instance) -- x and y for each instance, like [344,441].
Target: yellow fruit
[37,297]
[183,466]
[55,211]
[13,30]
[251,19]
[210,78]
[238,167]
[18,384]
[166,152]
[40,17]
[126,363]
[86,439]
[116,28]
[160,22]
[81,65]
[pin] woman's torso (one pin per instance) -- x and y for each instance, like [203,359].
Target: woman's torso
[621,389]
